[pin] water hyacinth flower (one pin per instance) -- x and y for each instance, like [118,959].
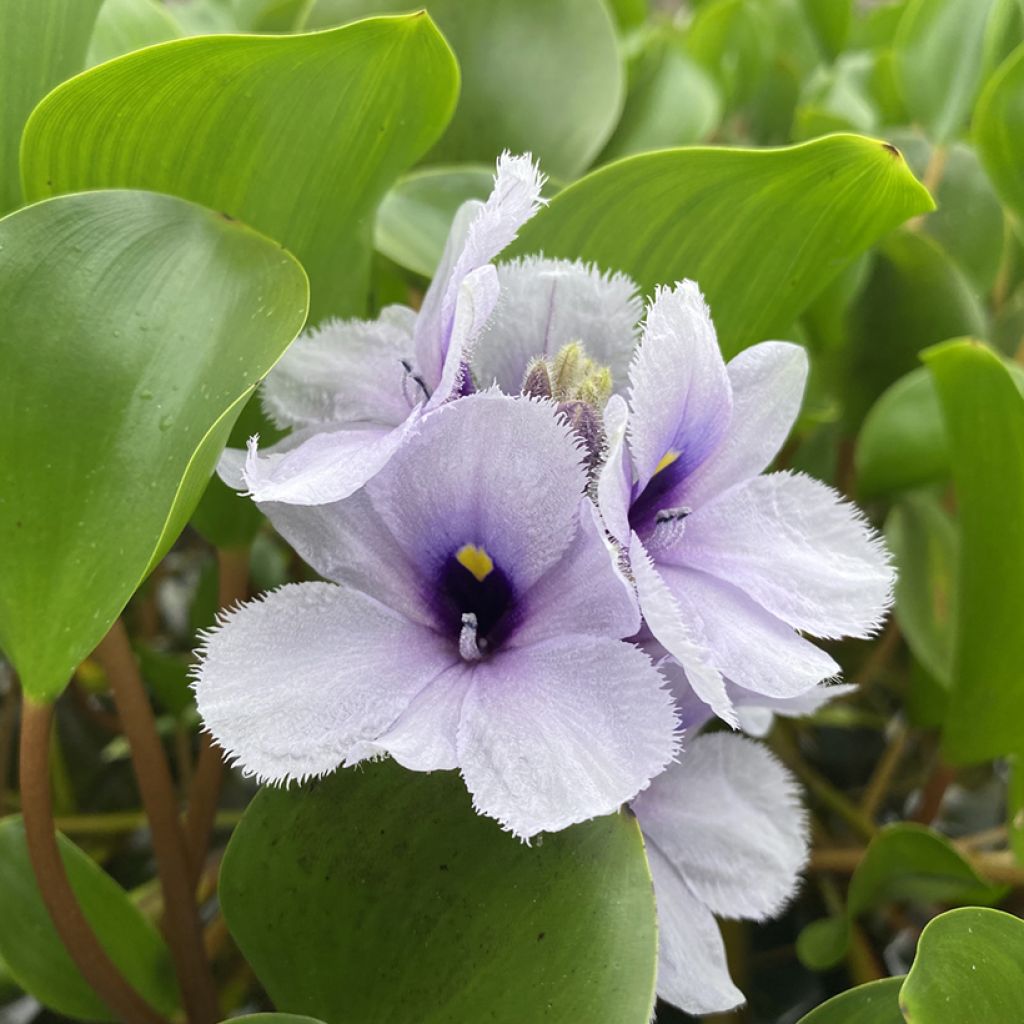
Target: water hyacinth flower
[726,835]
[353,391]
[473,621]
[732,567]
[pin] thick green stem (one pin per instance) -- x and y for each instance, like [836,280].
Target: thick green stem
[74,930]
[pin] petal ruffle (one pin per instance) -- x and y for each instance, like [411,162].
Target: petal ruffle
[798,549]
[680,398]
[749,646]
[692,969]
[728,818]
[563,731]
[544,305]
[346,371]
[290,684]
[479,232]
[615,480]
[767,388]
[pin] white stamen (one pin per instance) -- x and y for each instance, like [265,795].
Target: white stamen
[469,648]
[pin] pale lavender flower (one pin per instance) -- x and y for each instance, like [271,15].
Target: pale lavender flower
[353,391]
[473,622]
[726,836]
[731,567]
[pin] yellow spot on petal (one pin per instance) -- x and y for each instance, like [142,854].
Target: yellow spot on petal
[475,560]
[666,460]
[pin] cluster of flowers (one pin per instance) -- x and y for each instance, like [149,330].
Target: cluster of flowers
[551,549]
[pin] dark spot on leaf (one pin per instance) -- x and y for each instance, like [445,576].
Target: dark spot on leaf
[226,216]
[540,936]
[892,150]
[443,867]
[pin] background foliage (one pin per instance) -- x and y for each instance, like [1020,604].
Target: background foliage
[846,174]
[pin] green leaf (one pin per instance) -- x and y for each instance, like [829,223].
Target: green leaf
[272,1018]
[135,325]
[830,21]
[923,539]
[761,231]
[414,219]
[998,130]
[969,969]
[984,415]
[298,136]
[730,40]
[877,1002]
[671,99]
[42,42]
[903,442]
[941,48]
[383,898]
[126,25]
[916,296]
[34,953]
[839,97]
[537,75]
[904,863]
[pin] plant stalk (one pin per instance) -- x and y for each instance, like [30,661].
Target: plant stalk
[182,925]
[74,930]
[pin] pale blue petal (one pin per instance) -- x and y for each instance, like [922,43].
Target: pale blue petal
[327,466]
[496,472]
[752,648]
[288,685]
[728,818]
[615,480]
[480,231]
[585,593]
[798,549]
[692,970]
[346,371]
[679,636]
[768,383]
[562,732]
[680,398]
[544,305]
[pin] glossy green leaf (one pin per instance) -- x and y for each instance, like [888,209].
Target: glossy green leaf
[969,969]
[761,231]
[414,219]
[537,75]
[916,297]
[923,539]
[42,42]
[671,100]
[877,1002]
[998,130]
[904,863]
[34,953]
[298,136]
[942,48]
[126,25]
[383,898]
[830,20]
[903,442]
[135,325]
[984,415]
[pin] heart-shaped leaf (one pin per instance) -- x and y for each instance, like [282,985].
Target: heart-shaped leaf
[135,327]
[761,231]
[299,136]
[383,898]
[969,969]
[42,42]
[877,1002]
[537,75]
[34,953]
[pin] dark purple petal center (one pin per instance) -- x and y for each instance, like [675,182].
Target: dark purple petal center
[487,594]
